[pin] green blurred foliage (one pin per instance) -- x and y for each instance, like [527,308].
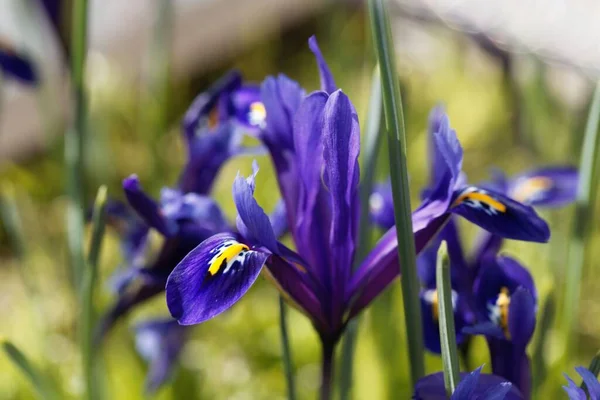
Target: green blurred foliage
[237,356]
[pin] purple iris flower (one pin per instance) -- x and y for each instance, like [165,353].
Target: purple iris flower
[591,382]
[159,342]
[17,65]
[505,305]
[314,145]
[185,216]
[473,386]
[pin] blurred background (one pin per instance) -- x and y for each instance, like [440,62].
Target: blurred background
[516,80]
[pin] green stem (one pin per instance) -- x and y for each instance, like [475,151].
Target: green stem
[30,371]
[394,119]
[446,320]
[584,208]
[75,142]
[88,288]
[286,350]
[370,149]
[544,327]
[327,362]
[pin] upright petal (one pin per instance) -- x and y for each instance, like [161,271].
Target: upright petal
[198,114]
[257,226]
[147,208]
[573,391]
[549,187]
[437,117]
[500,215]
[281,97]
[341,146]
[327,82]
[591,381]
[211,278]
[521,314]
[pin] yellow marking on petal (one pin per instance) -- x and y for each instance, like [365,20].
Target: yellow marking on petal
[226,256]
[503,302]
[213,117]
[481,197]
[300,268]
[257,114]
[529,187]
[435,305]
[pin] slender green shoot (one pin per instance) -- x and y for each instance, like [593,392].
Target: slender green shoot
[88,289]
[544,327]
[286,351]
[586,197]
[394,118]
[446,320]
[29,370]
[372,140]
[75,141]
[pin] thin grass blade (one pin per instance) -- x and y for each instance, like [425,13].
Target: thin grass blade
[584,207]
[88,289]
[394,118]
[29,370]
[286,351]
[446,320]
[75,141]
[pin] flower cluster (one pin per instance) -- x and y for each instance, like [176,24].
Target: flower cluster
[207,264]
[493,295]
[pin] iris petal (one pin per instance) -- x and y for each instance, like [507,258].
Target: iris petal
[146,208]
[211,278]
[591,381]
[548,186]
[327,82]
[256,224]
[500,215]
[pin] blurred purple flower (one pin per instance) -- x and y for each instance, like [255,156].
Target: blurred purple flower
[213,128]
[591,382]
[159,342]
[505,300]
[473,386]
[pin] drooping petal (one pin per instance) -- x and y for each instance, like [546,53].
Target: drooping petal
[521,317]
[500,215]
[591,381]
[211,278]
[549,186]
[147,208]
[257,226]
[17,66]
[160,343]
[327,82]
